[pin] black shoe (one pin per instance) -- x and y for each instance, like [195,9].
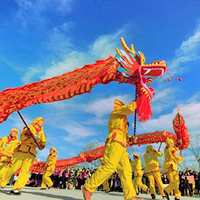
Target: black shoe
[15,192]
[153,196]
[137,193]
[42,188]
[166,195]
[177,198]
[49,187]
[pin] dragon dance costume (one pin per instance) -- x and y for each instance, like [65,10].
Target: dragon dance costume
[50,167]
[8,145]
[137,169]
[116,156]
[153,171]
[25,154]
[105,184]
[171,169]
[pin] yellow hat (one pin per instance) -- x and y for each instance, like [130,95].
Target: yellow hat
[149,148]
[15,130]
[37,120]
[169,142]
[136,155]
[101,159]
[54,149]
[117,103]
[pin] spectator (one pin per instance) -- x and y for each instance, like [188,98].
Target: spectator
[197,182]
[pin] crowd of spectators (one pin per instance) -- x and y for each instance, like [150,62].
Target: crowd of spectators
[74,177]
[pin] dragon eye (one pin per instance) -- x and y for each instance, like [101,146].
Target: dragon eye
[149,80]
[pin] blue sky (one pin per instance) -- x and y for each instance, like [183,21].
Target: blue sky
[41,38]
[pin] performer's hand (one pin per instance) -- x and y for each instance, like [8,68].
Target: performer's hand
[28,133]
[41,147]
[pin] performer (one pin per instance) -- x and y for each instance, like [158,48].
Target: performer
[137,169]
[8,145]
[105,184]
[50,167]
[171,169]
[25,154]
[153,171]
[116,156]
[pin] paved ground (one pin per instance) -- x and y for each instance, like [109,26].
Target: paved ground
[56,194]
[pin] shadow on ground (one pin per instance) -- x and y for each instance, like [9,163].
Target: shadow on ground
[43,194]
[117,194]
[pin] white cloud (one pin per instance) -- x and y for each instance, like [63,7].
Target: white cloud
[30,12]
[96,121]
[190,112]
[17,122]
[42,155]
[188,51]
[75,59]
[58,41]
[104,106]
[105,45]
[66,152]
[163,99]
[76,132]
[30,73]
[99,49]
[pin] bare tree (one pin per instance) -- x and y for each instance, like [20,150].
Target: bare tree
[195,149]
[87,147]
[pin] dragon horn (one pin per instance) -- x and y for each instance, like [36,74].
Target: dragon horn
[127,49]
[118,52]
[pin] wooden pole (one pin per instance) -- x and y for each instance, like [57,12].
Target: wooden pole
[31,134]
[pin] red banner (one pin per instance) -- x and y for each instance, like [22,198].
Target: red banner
[87,156]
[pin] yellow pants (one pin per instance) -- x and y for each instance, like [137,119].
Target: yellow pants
[4,167]
[46,180]
[24,161]
[155,175]
[137,182]
[173,183]
[116,157]
[106,185]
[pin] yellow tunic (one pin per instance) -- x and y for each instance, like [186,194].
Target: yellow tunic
[50,167]
[28,144]
[171,168]
[118,123]
[171,158]
[152,169]
[24,156]
[137,169]
[151,159]
[51,162]
[8,145]
[116,156]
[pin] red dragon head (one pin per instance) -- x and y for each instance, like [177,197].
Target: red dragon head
[132,65]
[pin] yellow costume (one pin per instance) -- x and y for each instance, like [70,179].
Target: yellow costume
[25,154]
[105,184]
[50,167]
[8,145]
[171,169]
[116,156]
[137,169]
[152,170]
